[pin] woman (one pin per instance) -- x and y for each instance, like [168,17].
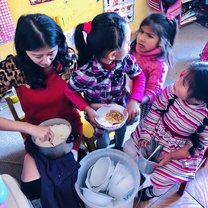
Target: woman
[39,73]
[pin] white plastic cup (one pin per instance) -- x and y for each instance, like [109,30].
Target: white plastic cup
[145,166]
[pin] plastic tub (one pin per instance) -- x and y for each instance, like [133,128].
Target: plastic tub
[116,156]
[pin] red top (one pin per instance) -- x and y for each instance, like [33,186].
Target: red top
[50,102]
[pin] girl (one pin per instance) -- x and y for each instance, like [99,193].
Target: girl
[152,49]
[104,62]
[178,120]
[39,73]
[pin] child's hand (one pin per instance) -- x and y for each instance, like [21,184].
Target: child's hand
[133,109]
[91,115]
[96,106]
[143,143]
[164,159]
[145,99]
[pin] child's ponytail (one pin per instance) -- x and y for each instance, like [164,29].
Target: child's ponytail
[80,38]
[195,137]
[171,29]
[105,33]
[167,4]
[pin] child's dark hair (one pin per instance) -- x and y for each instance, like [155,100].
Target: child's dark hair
[196,78]
[165,28]
[35,31]
[107,34]
[167,4]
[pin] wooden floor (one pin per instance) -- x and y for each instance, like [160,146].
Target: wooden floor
[194,196]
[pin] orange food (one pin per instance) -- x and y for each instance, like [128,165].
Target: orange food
[114,117]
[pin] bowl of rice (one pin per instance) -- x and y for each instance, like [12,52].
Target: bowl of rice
[61,145]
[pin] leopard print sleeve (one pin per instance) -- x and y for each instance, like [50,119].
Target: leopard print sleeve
[10,75]
[73,65]
[73,55]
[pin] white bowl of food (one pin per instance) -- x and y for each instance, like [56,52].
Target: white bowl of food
[61,144]
[111,117]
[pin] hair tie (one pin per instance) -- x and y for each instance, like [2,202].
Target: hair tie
[87,27]
[200,129]
[170,16]
[205,121]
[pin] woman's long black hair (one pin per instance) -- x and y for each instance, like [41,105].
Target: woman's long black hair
[35,31]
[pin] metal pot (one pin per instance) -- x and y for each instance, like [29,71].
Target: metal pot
[61,149]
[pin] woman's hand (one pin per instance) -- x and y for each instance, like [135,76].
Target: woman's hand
[41,132]
[133,109]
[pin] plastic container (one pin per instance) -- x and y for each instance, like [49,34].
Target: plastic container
[15,197]
[3,193]
[145,166]
[116,156]
[147,157]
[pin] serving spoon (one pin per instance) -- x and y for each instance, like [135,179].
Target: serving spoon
[158,148]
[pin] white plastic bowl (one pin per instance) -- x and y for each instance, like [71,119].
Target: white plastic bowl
[98,175]
[106,109]
[145,166]
[121,183]
[120,189]
[98,199]
[100,171]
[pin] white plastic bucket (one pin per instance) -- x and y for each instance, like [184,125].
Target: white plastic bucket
[116,156]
